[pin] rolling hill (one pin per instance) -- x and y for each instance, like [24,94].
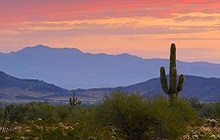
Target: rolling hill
[24,90]
[205,89]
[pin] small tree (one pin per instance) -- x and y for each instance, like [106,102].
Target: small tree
[135,118]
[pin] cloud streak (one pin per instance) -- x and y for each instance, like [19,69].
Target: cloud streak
[53,10]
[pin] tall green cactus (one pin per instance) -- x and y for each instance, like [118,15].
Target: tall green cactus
[74,101]
[174,88]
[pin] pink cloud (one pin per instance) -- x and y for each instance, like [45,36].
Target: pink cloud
[53,10]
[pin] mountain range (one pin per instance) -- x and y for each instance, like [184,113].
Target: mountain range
[72,68]
[204,89]
[17,90]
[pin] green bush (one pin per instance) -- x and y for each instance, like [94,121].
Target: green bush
[13,113]
[45,111]
[127,115]
[172,120]
[133,117]
[217,108]
[195,103]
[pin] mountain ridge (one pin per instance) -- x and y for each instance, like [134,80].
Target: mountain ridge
[41,46]
[71,68]
[13,89]
[204,89]
[17,90]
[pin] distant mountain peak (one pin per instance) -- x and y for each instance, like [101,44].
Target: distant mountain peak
[46,49]
[34,48]
[40,46]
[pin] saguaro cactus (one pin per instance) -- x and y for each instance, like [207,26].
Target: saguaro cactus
[74,100]
[174,88]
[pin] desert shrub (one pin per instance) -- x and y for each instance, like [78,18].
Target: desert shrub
[133,117]
[208,110]
[195,103]
[13,113]
[78,114]
[62,112]
[172,120]
[1,111]
[217,108]
[45,111]
[54,113]
[10,115]
[127,114]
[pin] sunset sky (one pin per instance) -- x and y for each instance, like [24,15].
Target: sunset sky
[145,28]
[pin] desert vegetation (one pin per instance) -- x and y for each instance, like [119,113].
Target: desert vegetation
[121,116]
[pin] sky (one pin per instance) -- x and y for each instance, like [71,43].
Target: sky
[145,28]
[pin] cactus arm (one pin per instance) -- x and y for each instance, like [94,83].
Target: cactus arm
[79,102]
[75,101]
[163,80]
[181,82]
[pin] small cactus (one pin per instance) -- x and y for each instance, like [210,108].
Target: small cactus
[74,101]
[174,88]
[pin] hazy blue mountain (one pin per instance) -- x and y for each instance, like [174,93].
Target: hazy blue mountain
[205,89]
[71,68]
[24,90]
